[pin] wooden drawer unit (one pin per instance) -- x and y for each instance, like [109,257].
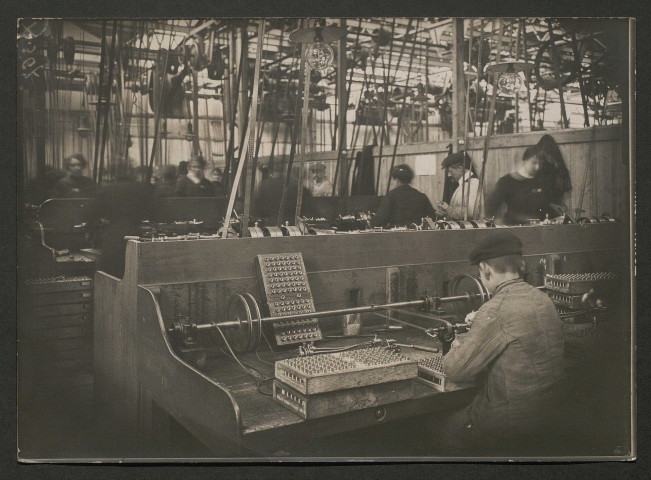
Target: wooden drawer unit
[39,286]
[61,322]
[66,309]
[62,298]
[57,328]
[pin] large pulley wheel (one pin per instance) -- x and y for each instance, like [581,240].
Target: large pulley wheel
[291,231]
[246,335]
[473,289]
[191,53]
[256,232]
[552,54]
[272,232]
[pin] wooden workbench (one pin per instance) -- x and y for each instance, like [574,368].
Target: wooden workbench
[247,417]
[137,371]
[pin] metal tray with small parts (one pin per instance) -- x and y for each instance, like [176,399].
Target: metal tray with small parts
[430,372]
[577,283]
[286,291]
[341,370]
[342,401]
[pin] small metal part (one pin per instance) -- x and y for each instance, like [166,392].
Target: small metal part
[419,347]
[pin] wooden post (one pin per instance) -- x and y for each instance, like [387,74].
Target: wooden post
[226,115]
[232,105]
[520,28]
[342,94]
[243,47]
[342,99]
[306,104]
[196,148]
[243,111]
[458,85]
[556,57]
[252,159]
[489,127]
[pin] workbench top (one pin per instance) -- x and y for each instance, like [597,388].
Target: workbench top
[263,418]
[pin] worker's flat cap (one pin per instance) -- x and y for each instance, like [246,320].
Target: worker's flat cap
[498,244]
[317,167]
[459,158]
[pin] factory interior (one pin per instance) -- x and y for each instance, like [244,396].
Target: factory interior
[275,239]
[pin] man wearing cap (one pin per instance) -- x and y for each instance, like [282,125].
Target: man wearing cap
[462,203]
[322,186]
[514,352]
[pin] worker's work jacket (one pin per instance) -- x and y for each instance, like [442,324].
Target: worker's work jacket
[514,350]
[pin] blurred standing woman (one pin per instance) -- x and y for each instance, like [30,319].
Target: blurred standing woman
[554,174]
[522,195]
[403,205]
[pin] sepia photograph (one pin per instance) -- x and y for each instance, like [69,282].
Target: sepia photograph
[382,239]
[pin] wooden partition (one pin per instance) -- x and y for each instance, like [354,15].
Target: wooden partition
[599,173]
[131,314]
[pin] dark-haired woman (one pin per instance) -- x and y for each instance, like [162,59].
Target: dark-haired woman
[554,173]
[403,205]
[522,195]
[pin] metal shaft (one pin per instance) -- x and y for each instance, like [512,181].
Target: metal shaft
[342,311]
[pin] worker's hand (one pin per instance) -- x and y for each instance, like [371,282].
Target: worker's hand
[559,210]
[442,206]
[459,340]
[470,318]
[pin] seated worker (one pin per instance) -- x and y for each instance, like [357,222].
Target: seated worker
[322,186]
[514,350]
[194,184]
[522,195]
[403,205]
[462,203]
[74,184]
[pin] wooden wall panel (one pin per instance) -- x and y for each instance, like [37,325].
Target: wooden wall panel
[598,148]
[202,260]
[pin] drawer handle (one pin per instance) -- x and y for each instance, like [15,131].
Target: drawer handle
[380,414]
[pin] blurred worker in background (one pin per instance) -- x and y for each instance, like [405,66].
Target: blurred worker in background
[116,212]
[462,203]
[403,205]
[554,174]
[74,184]
[194,184]
[521,196]
[182,168]
[216,178]
[166,185]
[267,197]
[322,186]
